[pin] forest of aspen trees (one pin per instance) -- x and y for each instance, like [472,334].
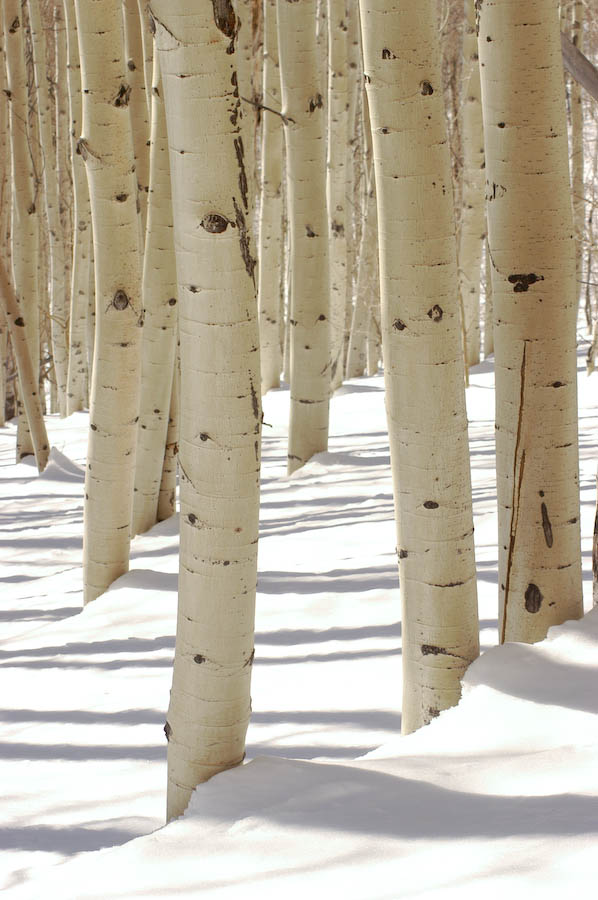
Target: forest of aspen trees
[220,218]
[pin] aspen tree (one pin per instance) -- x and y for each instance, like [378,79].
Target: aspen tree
[304,113]
[13,314]
[107,148]
[140,121]
[532,255]
[337,168]
[63,150]
[423,362]
[167,494]
[77,377]
[366,286]
[473,217]
[219,448]
[159,291]
[488,313]
[58,310]
[577,180]
[24,224]
[270,219]
[147,43]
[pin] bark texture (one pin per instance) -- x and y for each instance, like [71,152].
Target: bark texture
[532,255]
[106,146]
[304,111]
[423,362]
[220,424]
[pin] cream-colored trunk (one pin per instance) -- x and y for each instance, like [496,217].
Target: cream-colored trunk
[106,146]
[160,305]
[270,247]
[532,253]
[304,113]
[219,449]
[423,364]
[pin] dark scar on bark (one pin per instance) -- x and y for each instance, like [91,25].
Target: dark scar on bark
[522,282]
[546,526]
[199,659]
[248,259]
[403,554]
[316,102]
[226,21]
[167,731]
[426,88]
[430,504]
[533,598]
[399,325]
[436,313]
[240,151]
[214,223]
[120,300]
[388,54]
[122,98]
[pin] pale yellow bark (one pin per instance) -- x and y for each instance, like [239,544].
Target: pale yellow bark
[473,217]
[159,291]
[219,449]
[304,111]
[106,146]
[423,364]
[270,254]
[24,220]
[532,253]
[577,179]
[140,121]
[167,495]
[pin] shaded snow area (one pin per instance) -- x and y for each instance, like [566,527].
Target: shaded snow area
[497,795]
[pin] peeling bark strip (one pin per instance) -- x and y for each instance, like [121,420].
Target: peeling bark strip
[547,527]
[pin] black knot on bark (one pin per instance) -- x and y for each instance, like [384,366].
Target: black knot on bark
[388,54]
[121,197]
[20,322]
[426,88]
[533,598]
[214,223]
[399,325]
[192,518]
[122,98]
[120,300]
[436,313]
[14,25]
[522,282]
[316,102]
[430,504]
[172,301]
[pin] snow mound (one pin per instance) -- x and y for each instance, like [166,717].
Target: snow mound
[61,468]
[497,794]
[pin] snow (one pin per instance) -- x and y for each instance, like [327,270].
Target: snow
[497,795]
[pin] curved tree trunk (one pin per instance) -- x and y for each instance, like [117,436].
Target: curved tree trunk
[423,365]
[532,252]
[219,450]
[106,146]
[160,306]
[270,254]
[24,224]
[304,113]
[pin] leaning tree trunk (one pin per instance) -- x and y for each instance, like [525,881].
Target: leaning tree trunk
[28,381]
[160,306]
[304,120]
[106,145]
[532,253]
[24,225]
[219,450]
[425,396]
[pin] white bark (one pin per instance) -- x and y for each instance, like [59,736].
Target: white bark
[107,148]
[304,112]
[532,253]
[140,121]
[77,377]
[219,450]
[473,218]
[167,495]
[270,255]
[159,292]
[422,354]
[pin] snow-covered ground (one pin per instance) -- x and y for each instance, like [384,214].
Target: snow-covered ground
[497,795]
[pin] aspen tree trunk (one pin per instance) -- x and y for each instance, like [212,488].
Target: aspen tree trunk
[24,231]
[270,255]
[532,253]
[58,309]
[423,363]
[147,43]
[337,169]
[219,450]
[30,398]
[159,292]
[366,286]
[167,495]
[63,151]
[577,180]
[304,114]
[77,377]
[107,148]
[243,10]
[473,217]
[373,342]
[488,311]
[137,104]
